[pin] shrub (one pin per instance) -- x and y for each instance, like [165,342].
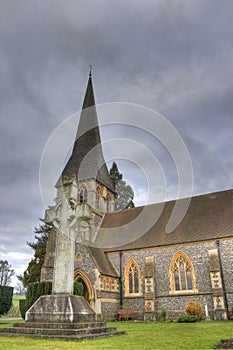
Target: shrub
[187,318]
[194,308]
[35,290]
[22,307]
[78,288]
[6,295]
[162,315]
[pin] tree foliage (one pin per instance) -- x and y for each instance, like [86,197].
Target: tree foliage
[114,174]
[6,295]
[6,272]
[124,192]
[33,272]
[19,288]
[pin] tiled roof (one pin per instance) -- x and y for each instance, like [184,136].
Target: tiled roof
[87,160]
[102,261]
[208,217]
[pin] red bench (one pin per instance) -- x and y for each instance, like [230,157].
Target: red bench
[125,315]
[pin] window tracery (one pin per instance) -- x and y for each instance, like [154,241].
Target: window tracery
[132,278]
[182,274]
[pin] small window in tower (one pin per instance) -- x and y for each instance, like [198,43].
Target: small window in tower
[83,195]
[79,257]
[97,198]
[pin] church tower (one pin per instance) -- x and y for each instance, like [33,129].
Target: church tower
[85,183]
[87,167]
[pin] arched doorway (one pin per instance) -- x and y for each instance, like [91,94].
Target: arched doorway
[88,290]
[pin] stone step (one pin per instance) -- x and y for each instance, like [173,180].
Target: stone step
[79,337]
[54,331]
[52,325]
[68,331]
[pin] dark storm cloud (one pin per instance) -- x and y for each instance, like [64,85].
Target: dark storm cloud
[174,56]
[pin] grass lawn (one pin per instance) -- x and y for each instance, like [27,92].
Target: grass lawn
[164,336]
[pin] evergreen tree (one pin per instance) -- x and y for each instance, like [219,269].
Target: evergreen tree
[114,174]
[33,272]
[124,192]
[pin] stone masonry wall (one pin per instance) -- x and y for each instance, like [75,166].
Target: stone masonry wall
[174,304]
[164,299]
[226,251]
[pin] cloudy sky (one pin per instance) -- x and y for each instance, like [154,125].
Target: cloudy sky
[171,56]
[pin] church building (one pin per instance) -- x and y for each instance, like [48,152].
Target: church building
[122,263]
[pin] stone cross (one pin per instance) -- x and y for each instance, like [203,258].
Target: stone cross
[66,216]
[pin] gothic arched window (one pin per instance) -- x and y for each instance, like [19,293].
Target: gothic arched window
[132,278]
[182,274]
[83,195]
[97,198]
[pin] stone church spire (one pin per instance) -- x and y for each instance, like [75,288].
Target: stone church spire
[87,161]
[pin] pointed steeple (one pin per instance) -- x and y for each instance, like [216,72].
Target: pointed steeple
[87,160]
[89,99]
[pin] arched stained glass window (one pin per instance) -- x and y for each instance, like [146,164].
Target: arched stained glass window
[182,273]
[132,278]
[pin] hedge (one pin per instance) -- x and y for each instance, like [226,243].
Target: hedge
[36,289]
[187,318]
[6,295]
[78,288]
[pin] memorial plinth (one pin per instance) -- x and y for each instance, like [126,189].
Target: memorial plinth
[61,308]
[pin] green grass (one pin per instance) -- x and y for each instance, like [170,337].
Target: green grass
[164,336]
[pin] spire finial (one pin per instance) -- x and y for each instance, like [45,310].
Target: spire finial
[90,71]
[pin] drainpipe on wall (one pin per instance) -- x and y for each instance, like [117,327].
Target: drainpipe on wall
[222,277]
[121,285]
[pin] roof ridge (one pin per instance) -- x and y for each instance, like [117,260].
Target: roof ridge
[173,200]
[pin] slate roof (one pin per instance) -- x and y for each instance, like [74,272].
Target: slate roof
[209,216]
[102,261]
[87,160]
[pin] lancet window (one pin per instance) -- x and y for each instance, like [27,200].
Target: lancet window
[97,198]
[132,278]
[83,195]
